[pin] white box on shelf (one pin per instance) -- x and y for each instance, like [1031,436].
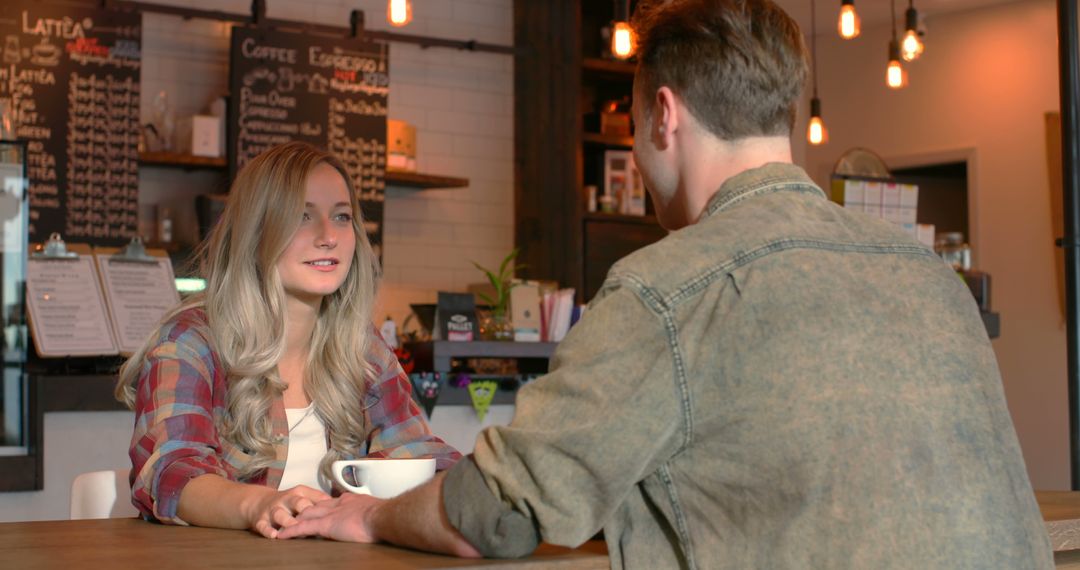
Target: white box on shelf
[848,193]
[205,133]
[925,234]
[622,182]
[872,194]
[909,196]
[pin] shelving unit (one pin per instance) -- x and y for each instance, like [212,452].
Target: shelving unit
[436,356]
[177,160]
[619,69]
[647,220]
[423,181]
[561,83]
[615,141]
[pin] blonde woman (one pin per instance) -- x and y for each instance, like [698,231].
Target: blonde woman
[248,392]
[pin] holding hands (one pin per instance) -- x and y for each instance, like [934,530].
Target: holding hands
[274,511]
[347,518]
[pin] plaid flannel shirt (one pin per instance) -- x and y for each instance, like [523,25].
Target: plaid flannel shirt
[181,398]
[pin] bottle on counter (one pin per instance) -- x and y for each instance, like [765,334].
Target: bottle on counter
[164,223]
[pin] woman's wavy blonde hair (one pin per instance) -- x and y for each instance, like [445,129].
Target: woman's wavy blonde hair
[244,303]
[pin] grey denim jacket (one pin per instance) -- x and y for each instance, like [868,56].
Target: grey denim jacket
[784,384]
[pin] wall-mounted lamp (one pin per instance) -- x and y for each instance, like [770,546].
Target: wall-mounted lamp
[398,12]
[849,24]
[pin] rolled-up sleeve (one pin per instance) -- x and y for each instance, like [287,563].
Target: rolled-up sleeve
[399,429]
[582,437]
[175,439]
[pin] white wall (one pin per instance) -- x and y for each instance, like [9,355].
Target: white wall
[980,91]
[462,106]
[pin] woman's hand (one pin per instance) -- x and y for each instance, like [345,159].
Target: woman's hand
[347,518]
[274,510]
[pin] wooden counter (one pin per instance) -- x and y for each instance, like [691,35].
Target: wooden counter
[132,543]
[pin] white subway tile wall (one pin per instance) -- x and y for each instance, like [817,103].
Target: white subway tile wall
[460,102]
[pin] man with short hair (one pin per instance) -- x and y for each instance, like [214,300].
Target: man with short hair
[779,383]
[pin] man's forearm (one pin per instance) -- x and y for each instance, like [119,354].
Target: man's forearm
[418,520]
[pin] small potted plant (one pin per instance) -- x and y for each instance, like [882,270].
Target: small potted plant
[496,324]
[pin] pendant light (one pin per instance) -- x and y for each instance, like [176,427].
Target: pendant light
[622,37]
[398,12]
[912,45]
[848,24]
[816,133]
[895,74]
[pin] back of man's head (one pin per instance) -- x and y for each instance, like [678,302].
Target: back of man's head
[738,65]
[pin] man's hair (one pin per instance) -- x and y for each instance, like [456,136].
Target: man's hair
[738,65]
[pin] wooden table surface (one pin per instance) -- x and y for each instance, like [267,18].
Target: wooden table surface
[132,543]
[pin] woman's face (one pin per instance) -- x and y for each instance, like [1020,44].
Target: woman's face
[321,252]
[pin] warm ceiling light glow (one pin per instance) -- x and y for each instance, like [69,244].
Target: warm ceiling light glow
[849,24]
[912,45]
[895,75]
[399,12]
[816,133]
[622,41]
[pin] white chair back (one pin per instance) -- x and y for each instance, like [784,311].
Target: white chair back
[102,495]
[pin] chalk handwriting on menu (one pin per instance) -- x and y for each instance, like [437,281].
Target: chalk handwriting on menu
[329,92]
[72,76]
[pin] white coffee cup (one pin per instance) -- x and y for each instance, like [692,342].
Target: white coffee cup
[384,478]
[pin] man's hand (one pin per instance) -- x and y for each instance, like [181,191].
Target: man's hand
[346,518]
[278,509]
[415,519]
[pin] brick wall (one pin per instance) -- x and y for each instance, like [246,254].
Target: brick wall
[460,102]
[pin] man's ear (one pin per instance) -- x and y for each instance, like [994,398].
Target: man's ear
[665,117]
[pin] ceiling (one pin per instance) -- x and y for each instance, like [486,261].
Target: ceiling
[876,12]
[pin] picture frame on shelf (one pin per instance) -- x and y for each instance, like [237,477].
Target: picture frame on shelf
[622,182]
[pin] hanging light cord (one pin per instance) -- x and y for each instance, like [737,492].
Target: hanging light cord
[813,42]
[892,12]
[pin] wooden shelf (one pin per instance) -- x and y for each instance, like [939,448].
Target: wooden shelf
[621,218]
[417,180]
[608,140]
[176,160]
[606,67]
[393,178]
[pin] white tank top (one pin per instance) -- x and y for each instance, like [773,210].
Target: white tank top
[307,446]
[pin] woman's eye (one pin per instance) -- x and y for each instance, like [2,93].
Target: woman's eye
[344,217]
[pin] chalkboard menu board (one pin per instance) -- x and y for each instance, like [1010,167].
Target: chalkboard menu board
[329,92]
[71,76]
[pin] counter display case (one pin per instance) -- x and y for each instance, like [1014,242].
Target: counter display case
[20,437]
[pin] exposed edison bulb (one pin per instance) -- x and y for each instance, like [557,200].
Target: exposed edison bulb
[816,133]
[849,24]
[911,47]
[398,12]
[896,75]
[622,41]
